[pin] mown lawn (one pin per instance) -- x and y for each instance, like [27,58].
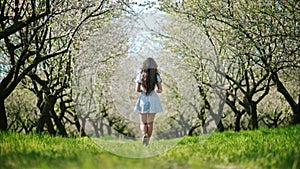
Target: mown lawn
[273,148]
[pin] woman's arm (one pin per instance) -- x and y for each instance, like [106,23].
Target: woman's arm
[138,87]
[159,88]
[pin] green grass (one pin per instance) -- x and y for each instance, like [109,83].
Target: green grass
[275,148]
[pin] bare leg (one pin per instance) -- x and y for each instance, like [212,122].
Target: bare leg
[150,129]
[143,124]
[144,128]
[150,124]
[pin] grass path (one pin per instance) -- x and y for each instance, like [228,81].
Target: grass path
[274,148]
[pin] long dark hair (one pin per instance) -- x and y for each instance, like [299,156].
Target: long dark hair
[149,75]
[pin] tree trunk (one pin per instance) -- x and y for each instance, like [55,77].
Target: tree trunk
[95,127]
[296,117]
[40,124]
[204,126]
[220,126]
[101,125]
[254,119]
[49,123]
[109,130]
[45,119]
[61,128]
[79,127]
[282,89]
[237,124]
[51,100]
[3,118]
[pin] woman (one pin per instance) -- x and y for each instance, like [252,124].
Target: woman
[148,83]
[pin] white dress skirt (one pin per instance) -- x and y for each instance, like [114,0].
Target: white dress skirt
[148,103]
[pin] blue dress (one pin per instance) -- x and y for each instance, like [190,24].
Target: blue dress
[148,103]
